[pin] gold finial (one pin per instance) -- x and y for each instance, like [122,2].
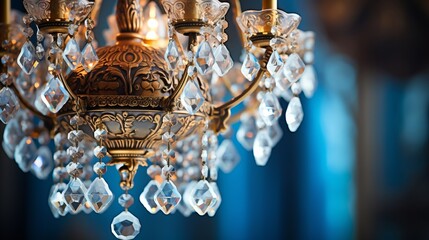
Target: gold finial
[128,16]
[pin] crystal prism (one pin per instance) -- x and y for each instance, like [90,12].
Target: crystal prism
[125,226]
[203,197]
[57,199]
[55,95]
[262,148]
[270,109]
[72,54]
[192,98]
[9,104]
[213,209]
[308,81]
[27,58]
[223,61]
[250,67]
[294,67]
[227,156]
[89,57]
[43,164]
[147,198]
[25,154]
[294,114]
[172,55]
[167,197]
[247,132]
[275,63]
[99,195]
[204,58]
[74,195]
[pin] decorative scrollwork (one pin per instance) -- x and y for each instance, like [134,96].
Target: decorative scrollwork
[213,10]
[128,16]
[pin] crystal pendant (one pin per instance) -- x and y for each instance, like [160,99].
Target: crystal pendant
[203,197]
[172,55]
[185,205]
[275,133]
[9,104]
[125,226]
[71,54]
[262,148]
[213,209]
[223,61]
[74,195]
[55,95]
[294,114]
[250,67]
[27,58]
[99,195]
[247,132]
[275,63]
[227,156]
[89,57]
[192,98]
[25,154]
[167,197]
[270,109]
[57,200]
[12,135]
[147,198]
[294,67]
[308,81]
[43,164]
[204,58]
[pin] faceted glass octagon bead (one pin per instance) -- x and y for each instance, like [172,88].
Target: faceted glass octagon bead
[167,197]
[99,195]
[147,198]
[203,197]
[74,195]
[125,226]
[55,95]
[192,98]
[9,104]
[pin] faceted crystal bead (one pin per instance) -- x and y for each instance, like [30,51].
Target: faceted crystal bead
[27,59]
[167,197]
[75,136]
[74,169]
[153,171]
[212,210]
[9,104]
[43,164]
[6,79]
[75,152]
[294,67]
[60,139]
[250,67]
[308,81]
[100,134]
[99,195]
[192,98]
[294,114]
[100,151]
[203,197]
[126,200]
[167,170]
[76,121]
[223,61]
[25,154]
[40,51]
[89,57]
[227,156]
[12,135]
[147,198]
[262,148]
[270,109]
[74,195]
[282,81]
[168,137]
[170,119]
[172,55]
[60,156]
[100,168]
[247,132]
[55,95]
[57,199]
[204,58]
[275,63]
[71,54]
[59,173]
[205,171]
[185,205]
[125,226]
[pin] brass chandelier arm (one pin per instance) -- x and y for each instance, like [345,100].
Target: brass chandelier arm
[236,11]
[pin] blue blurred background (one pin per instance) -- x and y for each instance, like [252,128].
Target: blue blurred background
[356,169]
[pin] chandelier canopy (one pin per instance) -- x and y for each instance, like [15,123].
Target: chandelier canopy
[158,97]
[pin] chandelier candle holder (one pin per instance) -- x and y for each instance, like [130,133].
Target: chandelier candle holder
[157,98]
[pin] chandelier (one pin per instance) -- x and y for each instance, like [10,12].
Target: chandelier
[157,97]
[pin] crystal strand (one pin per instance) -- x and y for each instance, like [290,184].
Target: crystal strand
[89,55]
[71,54]
[27,58]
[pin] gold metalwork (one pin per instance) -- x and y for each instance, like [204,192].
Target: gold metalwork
[269,4]
[5,12]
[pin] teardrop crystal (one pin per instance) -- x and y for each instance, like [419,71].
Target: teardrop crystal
[147,198]
[172,55]
[308,81]
[27,58]
[262,148]
[89,57]
[192,98]
[43,164]
[250,67]
[25,154]
[270,109]
[55,95]
[204,58]
[167,197]
[72,54]
[294,67]
[74,195]
[275,63]
[99,195]
[223,61]
[9,104]
[203,197]
[294,114]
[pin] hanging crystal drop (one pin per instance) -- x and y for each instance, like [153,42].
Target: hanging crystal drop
[125,226]
[223,61]
[172,55]
[192,98]
[204,58]
[294,114]
[247,132]
[294,67]
[71,54]
[275,63]
[250,67]
[167,197]
[27,58]
[12,135]
[275,133]
[270,109]
[203,197]
[99,195]
[25,154]
[213,209]
[227,156]
[57,199]
[89,57]
[262,148]
[43,164]
[308,81]
[74,195]
[147,197]
[185,205]
[9,104]
[281,79]
[55,95]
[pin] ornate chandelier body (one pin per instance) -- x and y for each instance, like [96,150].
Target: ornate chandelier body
[147,102]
